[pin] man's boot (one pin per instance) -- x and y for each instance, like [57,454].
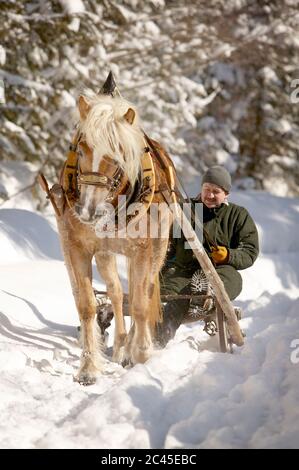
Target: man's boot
[104,316]
[173,313]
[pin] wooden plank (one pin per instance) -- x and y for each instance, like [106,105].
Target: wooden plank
[222,332]
[164,297]
[44,185]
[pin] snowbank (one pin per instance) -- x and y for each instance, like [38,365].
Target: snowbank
[186,396]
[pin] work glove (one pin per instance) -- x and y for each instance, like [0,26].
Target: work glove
[220,255]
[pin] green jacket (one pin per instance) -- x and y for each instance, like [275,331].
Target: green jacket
[228,225]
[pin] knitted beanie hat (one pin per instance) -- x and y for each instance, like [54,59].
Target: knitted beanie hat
[218,175]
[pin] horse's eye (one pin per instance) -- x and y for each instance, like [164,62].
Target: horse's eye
[80,152]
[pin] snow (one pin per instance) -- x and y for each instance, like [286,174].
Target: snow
[73,6]
[169,59]
[188,395]
[224,158]
[224,72]
[283,161]
[269,75]
[17,80]
[2,55]
[14,178]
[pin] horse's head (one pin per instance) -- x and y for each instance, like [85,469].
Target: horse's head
[110,146]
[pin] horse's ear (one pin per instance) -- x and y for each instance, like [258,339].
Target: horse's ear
[130,116]
[83,107]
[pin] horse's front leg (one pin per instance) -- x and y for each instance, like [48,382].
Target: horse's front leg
[91,358]
[107,268]
[140,342]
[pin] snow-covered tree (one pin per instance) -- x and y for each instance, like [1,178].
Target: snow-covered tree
[212,80]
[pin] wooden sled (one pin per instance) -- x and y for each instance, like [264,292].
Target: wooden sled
[227,323]
[105,315]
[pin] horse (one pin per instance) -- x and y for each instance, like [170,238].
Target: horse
[111,158]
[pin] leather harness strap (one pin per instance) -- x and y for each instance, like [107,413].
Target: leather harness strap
[173,187]
[72,178]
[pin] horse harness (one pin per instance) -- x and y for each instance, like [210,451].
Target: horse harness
[110,176]
[73,177]
[117,184]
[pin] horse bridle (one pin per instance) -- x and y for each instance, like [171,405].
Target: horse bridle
[101,180]
[98,178]
[117,183]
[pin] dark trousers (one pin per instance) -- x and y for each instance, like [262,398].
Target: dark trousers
[177,281]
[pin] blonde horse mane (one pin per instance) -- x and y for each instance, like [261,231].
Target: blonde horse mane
[107,132]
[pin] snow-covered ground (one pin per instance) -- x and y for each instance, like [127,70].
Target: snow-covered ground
[186,396]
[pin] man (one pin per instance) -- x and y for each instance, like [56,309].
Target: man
[231,240]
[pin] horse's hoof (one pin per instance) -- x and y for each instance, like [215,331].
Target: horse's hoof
[118,355]
[127,363]
[140,355]
[85,379]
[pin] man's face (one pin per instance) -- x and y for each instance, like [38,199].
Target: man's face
[212,195]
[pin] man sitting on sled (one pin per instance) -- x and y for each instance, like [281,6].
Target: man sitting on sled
[231,240]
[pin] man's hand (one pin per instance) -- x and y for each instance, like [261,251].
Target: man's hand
[220,255]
